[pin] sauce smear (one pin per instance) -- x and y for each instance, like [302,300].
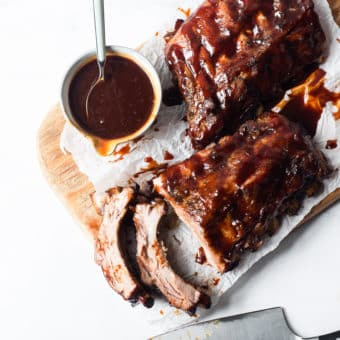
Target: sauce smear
[308,100]
[118,106]
[186,12]
[168,156]
[331,144]
[200,256]
[149,159]
[122,152]
[215,281]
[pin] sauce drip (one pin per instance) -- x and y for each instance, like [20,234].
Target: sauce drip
[118,106]
[136,140]
[152,166]
[168,156]
[121,152]
[215,281]
[306,102]
[331,144]
[169,35]
[149,159]
[200,256]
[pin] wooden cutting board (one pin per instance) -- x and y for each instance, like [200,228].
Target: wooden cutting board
[71,186]
[74,188]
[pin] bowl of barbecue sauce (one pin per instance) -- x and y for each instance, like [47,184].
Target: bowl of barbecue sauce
[123,108]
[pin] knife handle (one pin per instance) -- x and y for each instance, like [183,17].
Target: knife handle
[332,336]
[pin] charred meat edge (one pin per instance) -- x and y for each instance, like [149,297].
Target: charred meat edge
[109,252]
[155,268]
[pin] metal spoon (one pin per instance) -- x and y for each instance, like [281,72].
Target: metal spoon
[99,23]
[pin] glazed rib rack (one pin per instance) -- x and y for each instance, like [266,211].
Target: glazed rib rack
[230,57]
[232,194]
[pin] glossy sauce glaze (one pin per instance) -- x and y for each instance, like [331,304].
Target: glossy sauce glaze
[230,193]
[118,106]
[231,57]
[307,101]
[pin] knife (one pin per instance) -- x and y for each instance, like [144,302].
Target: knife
[269,324]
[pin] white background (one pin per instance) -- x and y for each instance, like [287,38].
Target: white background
[50,287]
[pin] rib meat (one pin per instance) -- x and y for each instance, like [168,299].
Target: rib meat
[232,194]
[154,267]
[231,56]
[109,253]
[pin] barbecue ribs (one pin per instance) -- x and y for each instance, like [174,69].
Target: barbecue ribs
[233,193]
[155,268]
[110,254]
[230,57]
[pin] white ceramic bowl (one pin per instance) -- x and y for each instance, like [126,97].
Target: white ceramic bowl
[106,146]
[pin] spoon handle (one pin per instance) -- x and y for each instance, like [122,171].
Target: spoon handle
[99,22]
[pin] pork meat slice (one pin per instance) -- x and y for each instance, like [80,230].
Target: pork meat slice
[154,266]
[110,253]
[232,194]
[230,57]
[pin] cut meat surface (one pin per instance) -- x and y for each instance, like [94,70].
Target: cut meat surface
[154,266]
[232,194]
[230,57]
[109,253]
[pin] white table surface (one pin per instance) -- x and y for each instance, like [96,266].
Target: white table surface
[50,287]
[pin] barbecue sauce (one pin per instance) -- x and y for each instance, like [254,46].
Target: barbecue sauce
[186,12]
[215,281]
[200,256]
[121,153]
[119,106]
[168,156]
[331,144]
[307,101]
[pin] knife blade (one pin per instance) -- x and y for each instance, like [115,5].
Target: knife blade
[269,324]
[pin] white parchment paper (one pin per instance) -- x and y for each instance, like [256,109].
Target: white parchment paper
[168,134]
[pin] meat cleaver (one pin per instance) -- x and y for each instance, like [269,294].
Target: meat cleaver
[269,324]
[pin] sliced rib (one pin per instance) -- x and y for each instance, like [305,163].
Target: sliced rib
[232,193]
[110,252]
[154,266]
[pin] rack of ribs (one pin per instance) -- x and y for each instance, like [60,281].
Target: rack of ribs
[109,252]
[233,193]
[232,57]
[153,264]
